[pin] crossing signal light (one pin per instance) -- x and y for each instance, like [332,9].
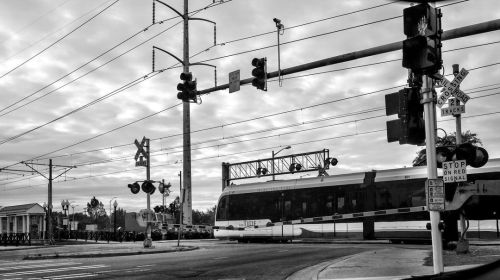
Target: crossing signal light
[422,48]
[148,187]
[261,171]
[409,128]
[134,188]
[164,188]
[295,167]
[187,89]
[260,73]
[474,156]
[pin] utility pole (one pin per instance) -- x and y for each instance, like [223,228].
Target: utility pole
[148,242]
[49,195]
[186,125]
[181,199]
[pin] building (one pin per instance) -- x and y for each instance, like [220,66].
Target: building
[25,218]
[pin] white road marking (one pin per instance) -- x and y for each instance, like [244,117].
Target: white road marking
[71,276]
[36,265]
[220,258]
[52,270]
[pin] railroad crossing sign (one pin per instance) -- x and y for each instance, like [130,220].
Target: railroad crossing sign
[234,81]
[454,108]
[452,89]
[141,153]
[455,171]
[434,191]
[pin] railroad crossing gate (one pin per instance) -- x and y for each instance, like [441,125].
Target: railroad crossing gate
[434,192]
[452,89]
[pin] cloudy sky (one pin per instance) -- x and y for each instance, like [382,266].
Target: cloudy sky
[77,86]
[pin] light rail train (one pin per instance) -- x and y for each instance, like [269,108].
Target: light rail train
[384,204]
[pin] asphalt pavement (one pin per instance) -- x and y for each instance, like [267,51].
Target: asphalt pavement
[386,262]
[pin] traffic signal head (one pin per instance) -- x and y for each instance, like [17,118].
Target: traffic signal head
[260,73]
[148,187]
[134,188]
[422,49]
[187,89]
[409,128]
[421,20]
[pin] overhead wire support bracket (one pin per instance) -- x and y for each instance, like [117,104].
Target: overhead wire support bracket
[169,53]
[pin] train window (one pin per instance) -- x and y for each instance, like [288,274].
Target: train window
[221,208]
[340,202]
[304,209]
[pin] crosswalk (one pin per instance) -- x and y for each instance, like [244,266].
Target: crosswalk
[48,269]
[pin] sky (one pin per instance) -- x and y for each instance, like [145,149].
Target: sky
[77,85]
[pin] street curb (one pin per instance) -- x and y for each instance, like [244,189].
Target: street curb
[314,271]
[115,254]
[460,274]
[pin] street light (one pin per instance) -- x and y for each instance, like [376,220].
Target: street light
[110,211]
[115,204]
[274,154]
[72,206]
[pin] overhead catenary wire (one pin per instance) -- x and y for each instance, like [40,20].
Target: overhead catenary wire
[274,114]
[94,59]
[58,40]
[52,33]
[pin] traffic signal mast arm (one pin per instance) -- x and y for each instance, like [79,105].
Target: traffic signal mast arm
[469,30]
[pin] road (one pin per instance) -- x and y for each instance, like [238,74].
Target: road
[214,260]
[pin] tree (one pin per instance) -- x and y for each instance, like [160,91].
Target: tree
[96,211]
[448,140]
[206,217]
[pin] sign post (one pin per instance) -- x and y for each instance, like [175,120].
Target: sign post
[143,152]
[434,191]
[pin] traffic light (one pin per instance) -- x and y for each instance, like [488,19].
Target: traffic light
[409,128]
[187,88]
[474,156]
[422,48]
[260,73]
[134,188]
[148,187]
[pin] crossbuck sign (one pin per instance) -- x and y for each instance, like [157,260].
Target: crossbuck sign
[141,153]
[451,89]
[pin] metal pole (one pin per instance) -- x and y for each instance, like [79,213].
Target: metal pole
[180,208]
[148,242]
[186,155]
[469,30]
[430,136]
[272,165]
[49,207]
[114,226]
[458,122]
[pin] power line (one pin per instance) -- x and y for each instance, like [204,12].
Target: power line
[94,59]
[52,33]
[58,40]
[122,88]
[265,116]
